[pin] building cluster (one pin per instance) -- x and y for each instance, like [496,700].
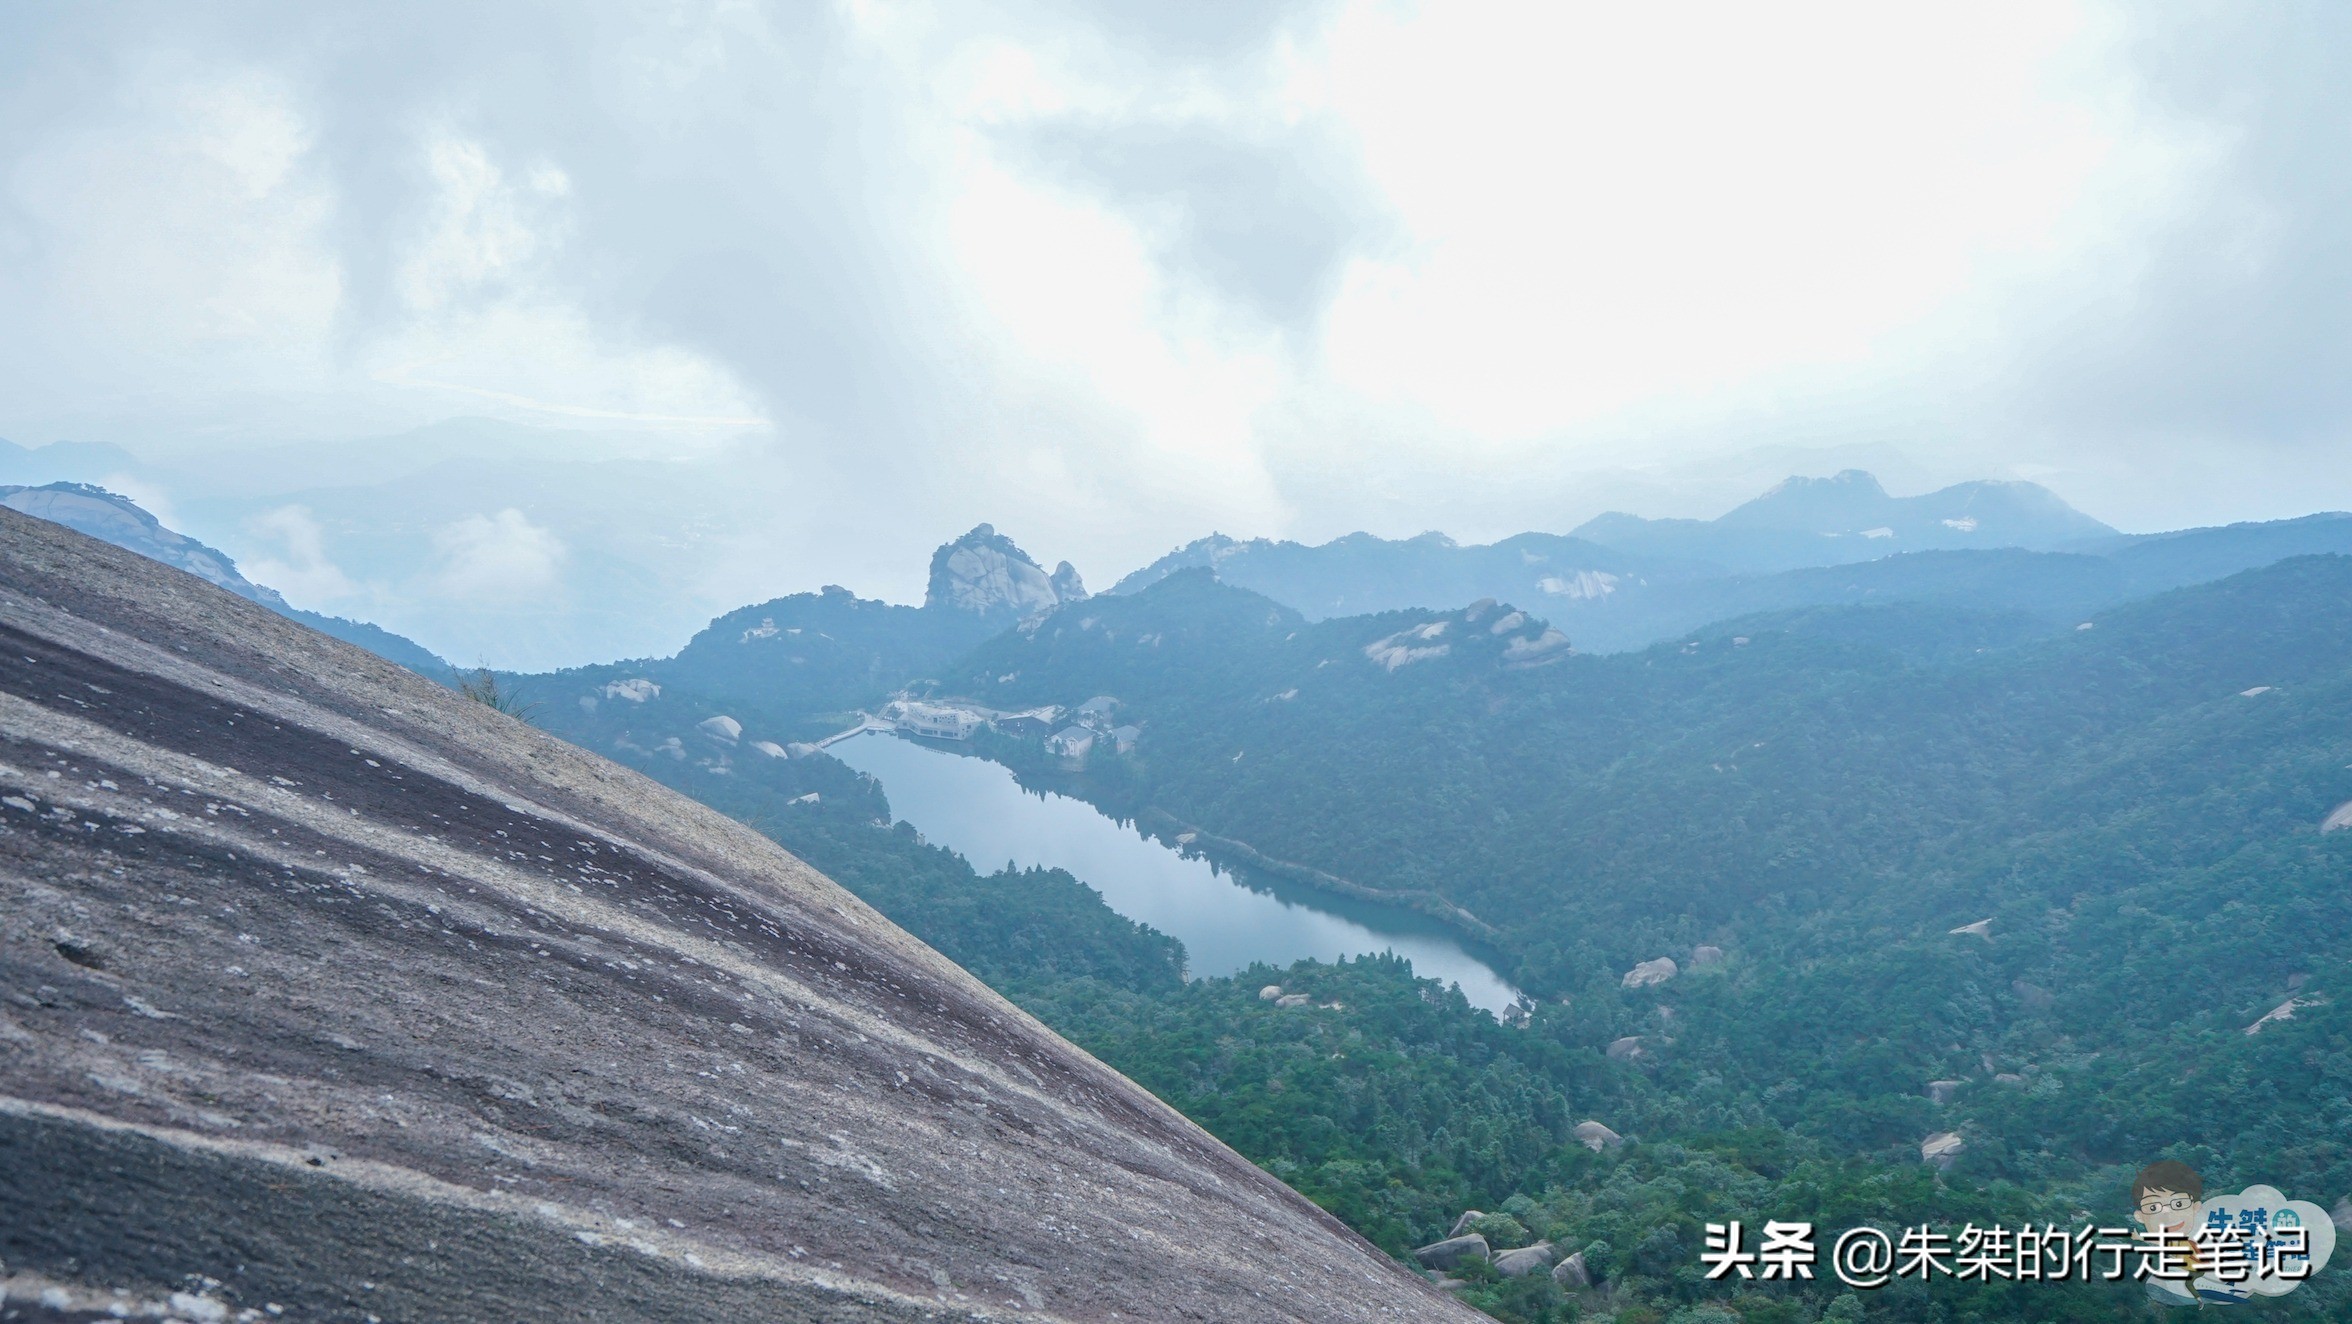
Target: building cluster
[1094,723]
[1070,735]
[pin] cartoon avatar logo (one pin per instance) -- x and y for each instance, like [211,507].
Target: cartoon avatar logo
[2227,1249]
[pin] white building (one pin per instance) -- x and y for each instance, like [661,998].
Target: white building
[1071,745]
[937,722]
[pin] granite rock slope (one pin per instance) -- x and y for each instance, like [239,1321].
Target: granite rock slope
[327,994]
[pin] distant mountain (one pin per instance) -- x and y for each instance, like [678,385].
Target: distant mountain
[1849,517]
[1621,582]
[66,461]
[117,519]
[1360,573]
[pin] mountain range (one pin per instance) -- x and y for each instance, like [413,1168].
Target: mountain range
[1620,582]
[1951,884]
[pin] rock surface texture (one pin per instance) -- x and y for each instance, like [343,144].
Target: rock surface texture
[985,574]
[324,988]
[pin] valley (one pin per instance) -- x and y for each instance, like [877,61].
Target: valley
[1835,909]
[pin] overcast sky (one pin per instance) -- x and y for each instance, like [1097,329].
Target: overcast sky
[1112,276]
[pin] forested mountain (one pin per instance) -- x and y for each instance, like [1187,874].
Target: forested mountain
[2025,874]
[2137,807]
[794,668]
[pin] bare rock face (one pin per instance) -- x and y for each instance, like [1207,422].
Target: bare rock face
[1453,1251]
[119,520]
[1941,1091]
[1702,957]
[362,999]
[1468,1220]
[1626,1049]
[1572,1275]
[986,574]
[1942,1148]
[1651,972]
[1524,1261]
[1596,1137]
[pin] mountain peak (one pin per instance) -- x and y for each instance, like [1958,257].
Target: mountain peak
[985,573]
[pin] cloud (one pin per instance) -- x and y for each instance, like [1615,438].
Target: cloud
[496,559]
[1266,221]
[1116,274]
[299,569]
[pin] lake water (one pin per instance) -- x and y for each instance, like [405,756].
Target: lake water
[1225,920]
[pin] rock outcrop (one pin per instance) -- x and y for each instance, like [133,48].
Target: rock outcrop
[1651,972]
[1572,1274]
[1626,1049]
[1453,1251]
[2284,1011]
[1702,957]
[984,573]
[1941,1091]
[1596,1137]
[1942,1148]
[354,997]
[1524,1261]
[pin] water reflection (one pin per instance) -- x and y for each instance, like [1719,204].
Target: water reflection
[975,808]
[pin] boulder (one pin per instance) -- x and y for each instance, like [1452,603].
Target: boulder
[2341,1215]
[1524,1261]
[1468,1220]
[1596,1137]
[2032,995]
[2008,1078]
[1452,1251]
[1269,992]
[1942,1148]
[1293,1000]
[1626,1049]
[1702,957]
[1572,1275]
[1941,1091]
[721,728]
[1652,972]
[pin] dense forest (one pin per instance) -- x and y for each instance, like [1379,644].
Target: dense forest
[1835,798]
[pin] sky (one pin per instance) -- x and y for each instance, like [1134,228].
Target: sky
[545,331]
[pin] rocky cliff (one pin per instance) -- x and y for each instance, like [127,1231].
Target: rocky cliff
[985,573]
[328,994]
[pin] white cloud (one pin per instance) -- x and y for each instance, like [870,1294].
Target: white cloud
[495,559]
[298,566]
[1113,276]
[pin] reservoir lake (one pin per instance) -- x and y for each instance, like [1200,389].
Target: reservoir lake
[1226,919]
